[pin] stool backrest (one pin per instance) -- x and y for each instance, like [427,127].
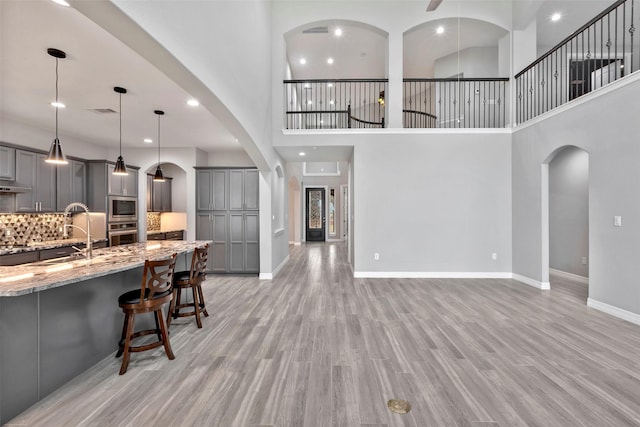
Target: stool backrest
[157,277]
[199,263]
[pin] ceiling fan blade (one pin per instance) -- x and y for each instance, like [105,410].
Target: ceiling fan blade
[433,5]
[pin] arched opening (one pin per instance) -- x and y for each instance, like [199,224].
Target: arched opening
[161,214]
[566,221]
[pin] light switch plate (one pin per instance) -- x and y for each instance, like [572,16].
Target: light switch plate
[617,221]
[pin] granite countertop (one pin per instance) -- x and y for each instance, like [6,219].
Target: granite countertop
[49,244]
[40,276]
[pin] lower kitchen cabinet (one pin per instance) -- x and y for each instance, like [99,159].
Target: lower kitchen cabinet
[213,226]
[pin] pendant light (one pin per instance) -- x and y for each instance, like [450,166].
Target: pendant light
[120,168]
[158,177]
[55,153]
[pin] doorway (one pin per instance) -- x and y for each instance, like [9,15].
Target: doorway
[316,217]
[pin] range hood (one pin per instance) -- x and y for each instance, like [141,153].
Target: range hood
[4,189]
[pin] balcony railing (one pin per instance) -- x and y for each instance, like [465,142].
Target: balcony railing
[334,104]
[455,103]
[600,52]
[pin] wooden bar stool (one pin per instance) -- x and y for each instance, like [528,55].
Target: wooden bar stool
[153,294]
[191,279]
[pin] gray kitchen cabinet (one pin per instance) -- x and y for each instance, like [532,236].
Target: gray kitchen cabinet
[243,189]
[213,226]
[212,188]
[244,246]
[7,163]
[33,172]
[19,258]
[71,184]
[159,195]
[122,185]
[227,201]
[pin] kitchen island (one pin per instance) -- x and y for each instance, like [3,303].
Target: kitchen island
[60,317]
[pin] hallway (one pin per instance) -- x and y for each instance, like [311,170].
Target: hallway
[315,347]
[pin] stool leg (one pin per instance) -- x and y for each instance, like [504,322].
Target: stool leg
[165,335]
[155,315]
[123,336]
[196,305]
[127,344]
[172,307]
[202,305]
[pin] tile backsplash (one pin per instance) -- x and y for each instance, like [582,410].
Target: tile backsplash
[153,221]
[20,229]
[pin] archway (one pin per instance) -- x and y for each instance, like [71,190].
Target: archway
[158,218]
[565,218]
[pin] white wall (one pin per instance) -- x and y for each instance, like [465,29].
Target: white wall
[606,125]
[472,62]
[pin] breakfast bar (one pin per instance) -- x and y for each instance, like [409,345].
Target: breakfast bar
[60,317]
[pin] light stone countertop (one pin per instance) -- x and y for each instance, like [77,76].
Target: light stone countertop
[39,276]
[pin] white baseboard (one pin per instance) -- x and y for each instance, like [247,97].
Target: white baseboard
[614,311]
[265,276]
[569,276]
[270,276]
[532,282]
[430,275]
[291,242]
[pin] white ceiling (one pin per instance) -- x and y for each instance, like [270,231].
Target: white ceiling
[96,62]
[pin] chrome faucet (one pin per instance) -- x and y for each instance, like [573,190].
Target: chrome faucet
[88,251]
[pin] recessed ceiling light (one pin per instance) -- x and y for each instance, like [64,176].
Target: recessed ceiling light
[148,140]
[58,105]
[321,121]
[329,61]
[193,103]
[302,154]
[315,148]
[440,30]
[61,2]
[331,102]
[307,85]
[309,102]
[329,84]
[303,61]
[556,17]
[338,32]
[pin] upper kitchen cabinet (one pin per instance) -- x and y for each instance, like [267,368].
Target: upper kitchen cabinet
[34,173]
[71,184]
[8,163]
[243,190]
[158,195]
[123,185]
[102,182]
[212,189]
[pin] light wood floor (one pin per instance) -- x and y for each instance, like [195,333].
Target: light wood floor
[315,347]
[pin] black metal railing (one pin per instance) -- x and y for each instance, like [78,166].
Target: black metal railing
[598,53]
[455,103]
[334,104]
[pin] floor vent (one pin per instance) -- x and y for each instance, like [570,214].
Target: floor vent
[102,110]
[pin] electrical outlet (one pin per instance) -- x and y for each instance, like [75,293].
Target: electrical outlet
[617,221]
[494,256]
[376,256]
[584,260]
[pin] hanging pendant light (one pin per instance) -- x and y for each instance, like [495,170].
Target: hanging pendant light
[120,168]
[158,177]
[56,156]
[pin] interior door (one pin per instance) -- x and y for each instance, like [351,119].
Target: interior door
[315,220]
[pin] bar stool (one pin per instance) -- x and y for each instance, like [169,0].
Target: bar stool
[190,279]
[155,291]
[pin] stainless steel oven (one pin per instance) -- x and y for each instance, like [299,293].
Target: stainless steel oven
[123,233]
[123,209]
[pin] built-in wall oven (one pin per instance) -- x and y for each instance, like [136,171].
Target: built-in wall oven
[123,233]
[123,209]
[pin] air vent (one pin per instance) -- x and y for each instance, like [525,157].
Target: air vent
[316,30]
[102,110]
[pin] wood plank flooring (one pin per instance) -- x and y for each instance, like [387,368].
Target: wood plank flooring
[315,347]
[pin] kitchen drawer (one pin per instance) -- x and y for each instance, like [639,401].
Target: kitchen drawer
[46,254]
[174,235]
[21,258]
[156,236]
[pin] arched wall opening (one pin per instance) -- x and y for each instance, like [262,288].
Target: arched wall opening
[565,216]
[156,219]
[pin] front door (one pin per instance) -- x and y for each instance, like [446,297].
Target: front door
[315,220]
